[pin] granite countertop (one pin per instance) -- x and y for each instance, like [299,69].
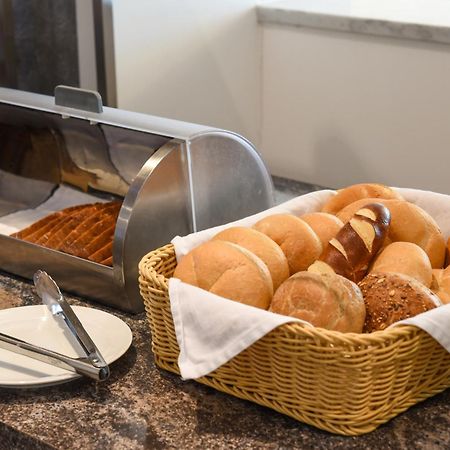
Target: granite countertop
[419,20]
[141,406]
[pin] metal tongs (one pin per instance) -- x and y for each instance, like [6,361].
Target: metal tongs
[92,365]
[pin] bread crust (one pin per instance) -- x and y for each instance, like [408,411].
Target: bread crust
[440,284]
[409,223]
[326,301]
[85,231]
[228,270]
[357,242]
[391,297]
[447,253]
[325,225]
[263,247]
[295,237]
[356,192]
[406,258]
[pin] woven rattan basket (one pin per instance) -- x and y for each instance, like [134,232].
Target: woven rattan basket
[344,383]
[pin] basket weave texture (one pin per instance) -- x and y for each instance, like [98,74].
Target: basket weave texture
[345,383]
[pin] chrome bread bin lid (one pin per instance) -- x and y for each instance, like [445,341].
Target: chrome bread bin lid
[173,177]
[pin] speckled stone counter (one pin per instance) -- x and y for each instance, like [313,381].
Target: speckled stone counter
[144,407]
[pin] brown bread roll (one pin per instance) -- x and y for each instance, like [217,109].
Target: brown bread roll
[325,225]
[295,237]
[390,297]
[228,270]
[447,257]
[263,247]
[355,192]
[359,240]
[409,223]
[406,258]
[326,301]
[440,284]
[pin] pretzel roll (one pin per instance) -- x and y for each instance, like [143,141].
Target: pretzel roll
[390,297]
[356,192]
[406,258]
[351,251]
[409,223]
[228,270]
[263,247]
[295,237]
[325,225]
[326,301]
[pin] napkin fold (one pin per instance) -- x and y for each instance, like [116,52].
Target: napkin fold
[211,330]
[435,322]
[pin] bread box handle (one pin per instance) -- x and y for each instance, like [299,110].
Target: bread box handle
[71,97]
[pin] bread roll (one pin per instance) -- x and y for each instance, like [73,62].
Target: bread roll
[390,297]
[409,223]
[406,258]
[228,270]
[355,192]
[325,225]
[295,237]
[359,240]
[447,257]
[326,301]
[263,247]
[440,284]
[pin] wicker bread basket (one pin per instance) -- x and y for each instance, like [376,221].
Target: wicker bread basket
[341,382]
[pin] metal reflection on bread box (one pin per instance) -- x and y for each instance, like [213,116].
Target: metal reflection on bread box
[172,177]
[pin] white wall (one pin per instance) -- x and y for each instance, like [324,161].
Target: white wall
[193,60]
[343,108]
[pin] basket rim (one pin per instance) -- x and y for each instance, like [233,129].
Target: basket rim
[376,338]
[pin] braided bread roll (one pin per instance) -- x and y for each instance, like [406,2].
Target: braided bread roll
[359,240]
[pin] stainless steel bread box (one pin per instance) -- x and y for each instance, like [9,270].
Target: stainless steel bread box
[173,177]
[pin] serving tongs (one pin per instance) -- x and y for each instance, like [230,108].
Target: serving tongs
[92,365]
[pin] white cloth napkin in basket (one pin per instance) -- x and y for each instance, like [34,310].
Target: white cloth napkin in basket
[211,330]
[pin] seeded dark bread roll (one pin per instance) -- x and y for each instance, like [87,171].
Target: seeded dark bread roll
[390,297]
[263,247]
[355,192]
[327,301]
[359,240]
[409,223]
[228,270]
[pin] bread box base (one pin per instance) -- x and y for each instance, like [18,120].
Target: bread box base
[347,384]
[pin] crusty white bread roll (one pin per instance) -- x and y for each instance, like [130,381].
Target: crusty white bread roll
[358,241]
[447,257]
[228,270]
[263,247]
[406,258]
[295,237]
[440,284]
[325,225]
[327,301]
[409,223]
[355,192]
[390,297]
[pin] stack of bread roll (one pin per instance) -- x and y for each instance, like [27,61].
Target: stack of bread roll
[368,259]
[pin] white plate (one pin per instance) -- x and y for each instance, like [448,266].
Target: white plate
[34,324]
